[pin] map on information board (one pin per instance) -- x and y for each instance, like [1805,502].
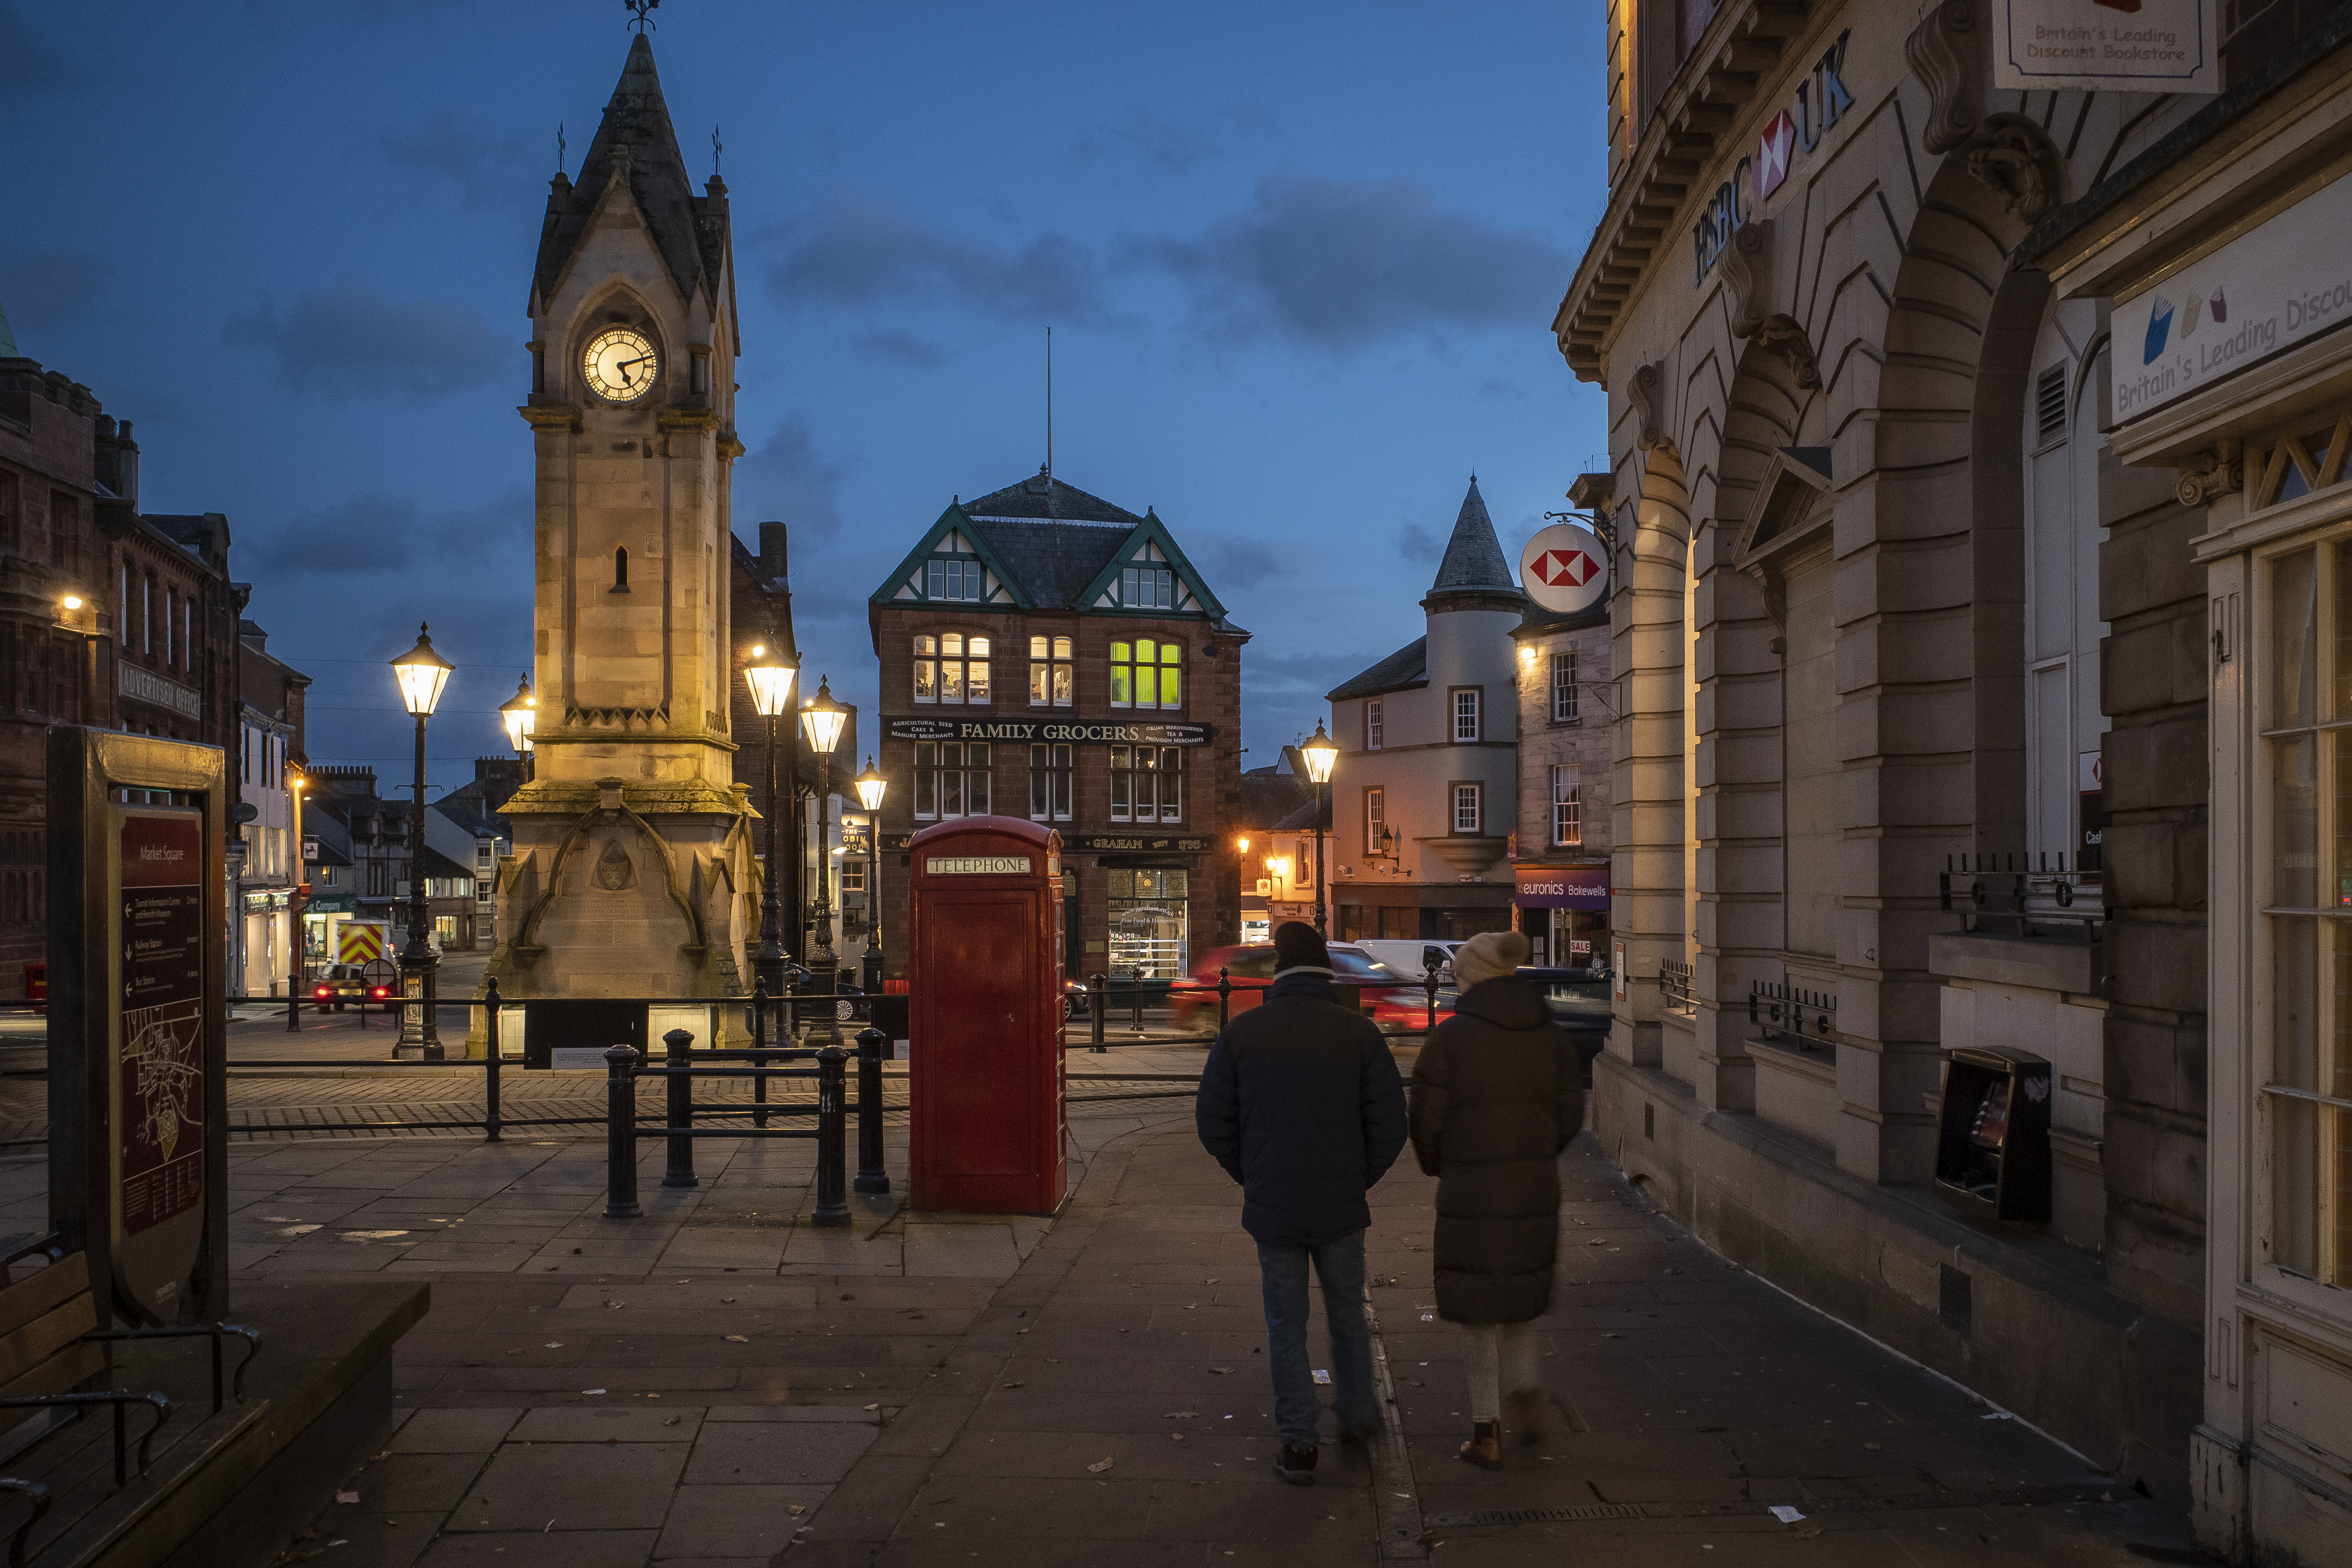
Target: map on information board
[162,1064]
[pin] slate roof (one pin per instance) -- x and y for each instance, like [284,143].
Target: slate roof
[1043,497]
[1474,559]
[1053,538]
[1408,667]
[1303,820]
[690,231]
[1268,797]
[1538,620]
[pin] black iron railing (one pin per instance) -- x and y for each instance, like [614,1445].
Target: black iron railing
[2021,895]
[1675,993]
[1789,1016]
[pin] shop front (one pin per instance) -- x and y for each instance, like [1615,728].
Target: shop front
[267,947]
[1563,911]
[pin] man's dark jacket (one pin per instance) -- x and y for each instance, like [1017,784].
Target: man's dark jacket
[1301,1104]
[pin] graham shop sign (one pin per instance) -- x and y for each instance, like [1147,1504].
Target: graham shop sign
[1821,99]
[1080,731]
[2285,282]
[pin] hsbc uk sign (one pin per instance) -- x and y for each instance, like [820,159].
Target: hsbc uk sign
[1564,568]
[1821,99]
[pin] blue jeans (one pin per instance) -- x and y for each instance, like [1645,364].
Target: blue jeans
[1340,1263]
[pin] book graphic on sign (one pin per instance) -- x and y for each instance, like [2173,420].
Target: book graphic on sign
[2160,328]
[2189,314]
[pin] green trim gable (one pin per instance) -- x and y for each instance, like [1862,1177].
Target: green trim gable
[905,584]
[1150,545]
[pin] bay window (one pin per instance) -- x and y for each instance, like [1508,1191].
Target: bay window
[951,669]
[1147,674]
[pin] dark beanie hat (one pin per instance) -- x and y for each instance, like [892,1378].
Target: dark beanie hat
[1298,945]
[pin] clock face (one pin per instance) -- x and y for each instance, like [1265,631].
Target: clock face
[620,365]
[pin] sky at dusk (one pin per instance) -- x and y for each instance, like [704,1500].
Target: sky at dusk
[1300,261]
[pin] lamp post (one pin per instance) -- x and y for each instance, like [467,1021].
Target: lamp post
[1320,753]
[822,720]
[770,677]
[297,903]
[871,786]
[519,714]
[422,673]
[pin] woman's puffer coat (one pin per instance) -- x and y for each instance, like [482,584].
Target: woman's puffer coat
[1496,1095]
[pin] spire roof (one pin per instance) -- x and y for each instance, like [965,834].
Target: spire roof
[636,131]
[1474,559]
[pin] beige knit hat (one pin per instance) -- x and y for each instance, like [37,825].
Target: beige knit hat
[1489,956]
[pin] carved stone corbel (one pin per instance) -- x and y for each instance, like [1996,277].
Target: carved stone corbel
[2016,158]
[1747,270]
[1647,392]
[1781,335]
[2211,475]
[1946,51]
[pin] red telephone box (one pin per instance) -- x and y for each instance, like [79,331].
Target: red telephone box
[984,1017]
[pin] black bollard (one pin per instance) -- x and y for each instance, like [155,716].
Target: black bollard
[621,1132]
[1099,1002]
[490,1118]
[680,1045]
[1225,998]
[1429,984]
[1134,997]
[832,1199]
[871,1175]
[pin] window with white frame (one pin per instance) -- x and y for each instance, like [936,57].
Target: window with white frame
[1563,686]
[1567,811]
[949,578]
[1468,805]
[1147,674]
[1052,682]
[951,669]
[1375,819]
[1375,725]
[951,780]
[1147,784]
[1147,588]
[1049,783]
[1465,713]
[2305,715]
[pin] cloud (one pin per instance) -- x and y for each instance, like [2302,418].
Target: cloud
[350,341]
[1152,139]
[1337,264]
[43,287]
[376,534]
[29,64]
[853,250]
[899,344]
[488,170]
[1416,542]
[1231,558]
[1266,674]
[786,478]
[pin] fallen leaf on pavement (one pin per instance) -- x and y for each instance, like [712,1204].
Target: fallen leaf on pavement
[1098,1467]
[1011,1385]
[555,1344]
[739,1339]
[874,1407]
[347,1497]
[796,1509]
[672,1420]
[1179,1414]
[1221,1371]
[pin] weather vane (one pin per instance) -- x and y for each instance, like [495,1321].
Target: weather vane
[559,146]
[716,146]
[642,7]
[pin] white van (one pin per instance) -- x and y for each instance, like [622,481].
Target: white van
[1411,957]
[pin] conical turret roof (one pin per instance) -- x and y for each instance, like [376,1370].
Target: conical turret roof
[688,230]
[1474,559]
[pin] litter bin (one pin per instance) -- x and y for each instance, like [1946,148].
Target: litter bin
[1992,1150]
[37,986]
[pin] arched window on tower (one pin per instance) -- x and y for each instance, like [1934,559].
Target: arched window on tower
[621,570]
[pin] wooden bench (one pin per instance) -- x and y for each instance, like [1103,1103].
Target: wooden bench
[55,1359]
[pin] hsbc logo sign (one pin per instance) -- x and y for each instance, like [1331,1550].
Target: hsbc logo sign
[1564,568]
[1821,100]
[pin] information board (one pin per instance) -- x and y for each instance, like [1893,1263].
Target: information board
[159,1050]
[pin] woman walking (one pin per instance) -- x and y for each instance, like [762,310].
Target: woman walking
[1496,1094]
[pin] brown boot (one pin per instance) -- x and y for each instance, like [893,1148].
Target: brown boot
[1485,1449]
[1527,1414]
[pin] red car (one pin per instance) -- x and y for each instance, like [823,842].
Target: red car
[1378,990]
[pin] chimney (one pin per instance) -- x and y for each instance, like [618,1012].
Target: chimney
[116,459]
[773,557]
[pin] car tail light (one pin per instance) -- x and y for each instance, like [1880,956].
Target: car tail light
[324,993]
[381,992]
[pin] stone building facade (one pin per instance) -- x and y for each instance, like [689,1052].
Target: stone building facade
[1562,674]
[1893,628]
[1046,654]
[267,758]
[1425,793]
[109,617]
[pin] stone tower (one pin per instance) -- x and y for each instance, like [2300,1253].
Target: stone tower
[632,873]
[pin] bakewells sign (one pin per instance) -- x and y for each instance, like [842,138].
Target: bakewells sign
[1081,731]
[2289,279]
[2115,46]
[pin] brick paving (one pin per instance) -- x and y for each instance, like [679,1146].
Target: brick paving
[718,1381]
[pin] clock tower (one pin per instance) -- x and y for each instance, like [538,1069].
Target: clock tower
[632,874]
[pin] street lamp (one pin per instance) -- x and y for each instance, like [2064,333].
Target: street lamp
[1320,753]
[871,786]
[422,673]
[822,720]
[519,714]
[770,677]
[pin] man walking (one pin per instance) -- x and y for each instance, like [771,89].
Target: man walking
[1300,1102]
